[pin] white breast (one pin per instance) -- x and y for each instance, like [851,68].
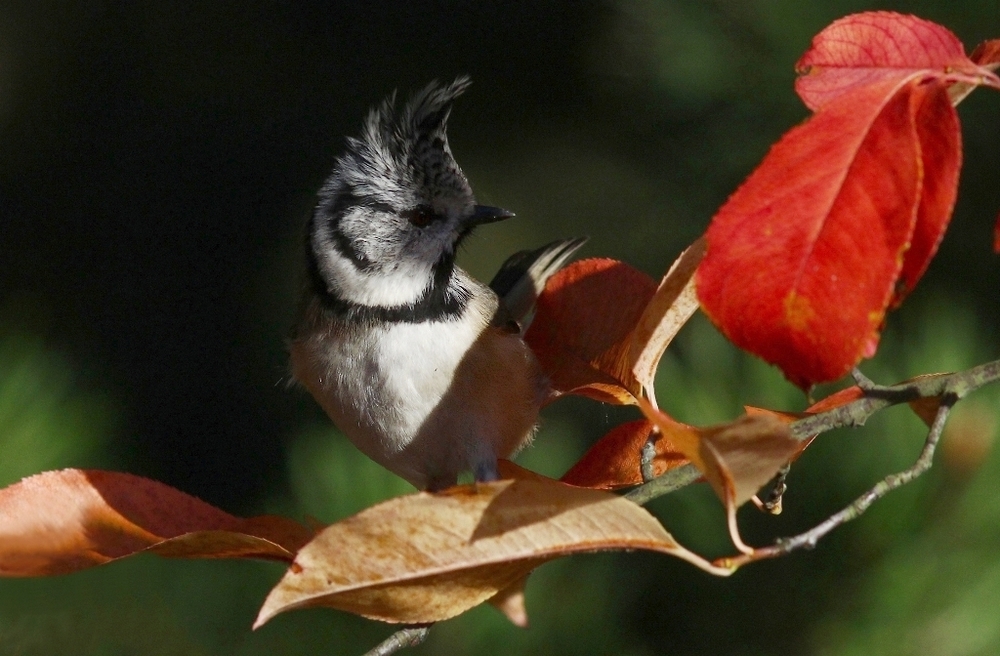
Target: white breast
[415,365]
[379,388]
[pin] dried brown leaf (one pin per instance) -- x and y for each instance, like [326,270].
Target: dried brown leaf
[427,557]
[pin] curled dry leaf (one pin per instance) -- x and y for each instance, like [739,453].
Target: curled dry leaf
[427,557]
[63,521]
[873,47]
[613,461]
[737,458]
[673,304]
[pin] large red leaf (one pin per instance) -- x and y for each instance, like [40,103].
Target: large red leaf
[874,47]
[63,521]
[940,140]
[803,258]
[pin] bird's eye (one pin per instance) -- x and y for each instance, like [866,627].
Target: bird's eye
[420,216]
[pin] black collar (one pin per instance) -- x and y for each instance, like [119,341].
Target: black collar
[445,299]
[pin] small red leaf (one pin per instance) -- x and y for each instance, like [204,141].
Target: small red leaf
[63,521]
[613,461]
[987,54]
[874,47]
[584,319]
[803,258]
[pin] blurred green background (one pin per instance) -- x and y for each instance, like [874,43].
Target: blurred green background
[158,163]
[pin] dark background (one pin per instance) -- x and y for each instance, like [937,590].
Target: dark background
[159,161]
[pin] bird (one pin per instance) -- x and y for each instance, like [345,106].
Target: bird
[421,366]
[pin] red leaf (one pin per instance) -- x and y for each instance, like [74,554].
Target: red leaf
[876,47]
[803,258]
[584,318]
[63,521]
[940,142]
[613,461]
[987,54]
[996,236]
[601,326]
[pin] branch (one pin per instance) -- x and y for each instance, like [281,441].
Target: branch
[671,481]
[410,636]
[855,413]
[891,482]
[878,397]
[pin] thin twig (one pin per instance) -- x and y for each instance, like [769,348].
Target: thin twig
[410,636]
[891,482]
[855,413]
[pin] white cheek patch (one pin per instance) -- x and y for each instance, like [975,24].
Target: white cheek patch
[403,285]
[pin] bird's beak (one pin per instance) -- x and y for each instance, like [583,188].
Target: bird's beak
[485,214]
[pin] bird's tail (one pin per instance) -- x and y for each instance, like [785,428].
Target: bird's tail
[523,276]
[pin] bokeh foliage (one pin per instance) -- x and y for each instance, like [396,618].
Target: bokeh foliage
[159,160]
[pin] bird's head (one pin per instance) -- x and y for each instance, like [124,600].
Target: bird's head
[396,206]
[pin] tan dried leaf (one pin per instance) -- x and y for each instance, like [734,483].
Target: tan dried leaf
[428,557]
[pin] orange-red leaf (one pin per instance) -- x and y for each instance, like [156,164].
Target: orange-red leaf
[601,326]
[804,257]
[63,521]
[874,47]
[427,557]
[987,54]
[584,316]
[613,461]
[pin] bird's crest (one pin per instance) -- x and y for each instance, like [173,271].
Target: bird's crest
[402,151]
